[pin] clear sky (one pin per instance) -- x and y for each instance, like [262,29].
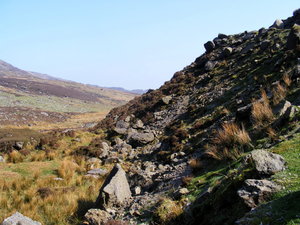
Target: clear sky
[125,43]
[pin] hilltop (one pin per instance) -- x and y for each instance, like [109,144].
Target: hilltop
[217,144]
[29,98]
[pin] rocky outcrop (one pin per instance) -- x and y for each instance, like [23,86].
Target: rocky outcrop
[97,217]
[266,163]
[19,219]
[255,192]
[115,191]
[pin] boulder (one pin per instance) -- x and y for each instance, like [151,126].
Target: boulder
[121,127]
[293,40]
[19,219]
[210,65]
[227,51]
[209,46]
[248,48]
[115,190]
[166,100]
[255,192]
[222,36]
[97,172]
[266,163]
[19,145]
[141,138]
[104,150]
[278,24]
[93,162]
[2,160]
[97,217]
[284,109]
[139,124]
[265,44]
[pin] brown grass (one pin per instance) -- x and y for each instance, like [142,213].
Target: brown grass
[262,113]
[42,198]
[15,157]
[195,164]
[287,79]
[229,142]
[279,93]
[67,169]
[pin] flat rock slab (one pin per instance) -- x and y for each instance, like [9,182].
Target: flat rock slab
[97,171]
[19,219]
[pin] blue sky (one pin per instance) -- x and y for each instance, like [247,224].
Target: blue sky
[130,43]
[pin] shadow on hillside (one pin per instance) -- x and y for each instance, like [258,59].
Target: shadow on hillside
[83,207]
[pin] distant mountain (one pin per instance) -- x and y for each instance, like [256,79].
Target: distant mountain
[34,92]
[135,91]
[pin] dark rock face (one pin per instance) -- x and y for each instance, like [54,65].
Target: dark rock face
[19,219]
[293,40]
[115,191]
[209,46]
[255,192]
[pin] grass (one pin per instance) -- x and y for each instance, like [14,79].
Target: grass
[66,201]
[229,142]
[262,113]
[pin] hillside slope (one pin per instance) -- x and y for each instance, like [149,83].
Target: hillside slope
[50,99]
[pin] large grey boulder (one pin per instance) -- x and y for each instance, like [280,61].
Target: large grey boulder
[142,138]
[255,192]
[19,219]
[121,127]
[266,163]
[115,191]
[293,40]
[97,217]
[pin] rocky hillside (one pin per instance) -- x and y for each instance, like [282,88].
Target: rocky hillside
[49,99]
[217,144]
[189,140]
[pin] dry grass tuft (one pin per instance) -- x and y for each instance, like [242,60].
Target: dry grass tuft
[287,79]
[262,113]
[229,142]
[15,157]
[168,210]
[279,93]
[67,169]
[195,164]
